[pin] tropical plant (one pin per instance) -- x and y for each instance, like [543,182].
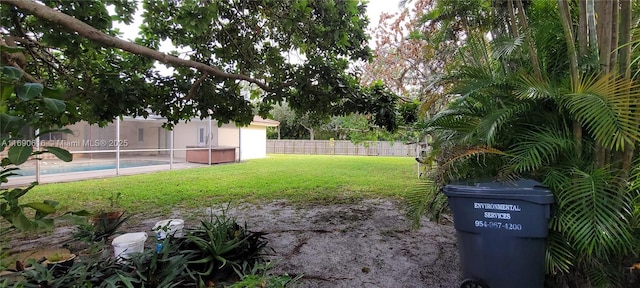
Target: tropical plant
[105,272]
[573,129]
[218,252]
[222,248]
[165,268]
[21,107]
[100,227]
[259,276]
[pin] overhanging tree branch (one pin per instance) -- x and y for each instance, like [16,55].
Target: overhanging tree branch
[196,85]
[91,33]
[12,62]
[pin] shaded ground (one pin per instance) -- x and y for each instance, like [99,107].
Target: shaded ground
[367,244]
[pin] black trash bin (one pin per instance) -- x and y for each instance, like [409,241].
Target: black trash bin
[501,230]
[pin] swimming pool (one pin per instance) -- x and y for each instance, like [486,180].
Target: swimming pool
[87,166]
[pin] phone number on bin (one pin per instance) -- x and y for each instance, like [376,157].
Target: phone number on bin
[498,225]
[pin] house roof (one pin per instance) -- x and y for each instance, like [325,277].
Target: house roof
[259,121]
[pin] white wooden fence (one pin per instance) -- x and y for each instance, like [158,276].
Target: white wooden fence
[340,147]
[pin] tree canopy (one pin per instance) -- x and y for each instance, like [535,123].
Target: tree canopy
[72,46]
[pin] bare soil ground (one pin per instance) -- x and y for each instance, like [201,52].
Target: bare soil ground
[365,244]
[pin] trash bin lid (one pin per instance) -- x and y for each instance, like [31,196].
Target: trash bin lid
[523,189]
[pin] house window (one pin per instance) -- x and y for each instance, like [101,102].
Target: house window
[202,136]
[141,135]
[53,136]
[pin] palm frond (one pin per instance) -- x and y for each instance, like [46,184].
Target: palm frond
[453,119]
[491,123]
[634,192]
[472,80]
[559,254]
[634,175]
[596,212]
[425,199]
[609,109]
[601,274]
[452,163]
[557,178]
[538,148]
[534,88]
[506,46]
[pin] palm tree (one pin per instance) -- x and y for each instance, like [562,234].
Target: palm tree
[572,126]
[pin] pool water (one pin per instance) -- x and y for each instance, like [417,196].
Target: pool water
[84,167]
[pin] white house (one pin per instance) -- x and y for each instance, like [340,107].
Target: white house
[249,142]
[138,137]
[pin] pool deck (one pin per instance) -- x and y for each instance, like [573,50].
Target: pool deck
[97,174]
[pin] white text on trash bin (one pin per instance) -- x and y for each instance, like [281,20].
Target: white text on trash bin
[498,225]
[496,206]
[495,215]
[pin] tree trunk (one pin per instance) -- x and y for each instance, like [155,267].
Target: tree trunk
[311,132]
[512,20]
[583,30]
[625,38]
[591,23]
[567,26]
[533,54]
[613,56]
[624,68]
[604,28]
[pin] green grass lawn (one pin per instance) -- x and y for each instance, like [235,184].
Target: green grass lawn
[296,178]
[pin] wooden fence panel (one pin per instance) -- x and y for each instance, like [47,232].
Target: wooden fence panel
[340,147]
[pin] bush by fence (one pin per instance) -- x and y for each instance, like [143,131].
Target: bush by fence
[340,147]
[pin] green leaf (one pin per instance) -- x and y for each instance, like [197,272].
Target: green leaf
[41,207]
[596,213]
[432,15]
[21,222]
[7,90]
[16,193]
[55,105]
[607,107]
[53,93]
[29,91]
[19,154]
[126,281]
[9,123]
[11,74]
[62,154]
[559,255]
[5,93]
[5,173]
[51,203]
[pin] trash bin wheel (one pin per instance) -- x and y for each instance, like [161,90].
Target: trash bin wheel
[473,283]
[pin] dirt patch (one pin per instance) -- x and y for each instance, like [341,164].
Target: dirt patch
[366,244]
